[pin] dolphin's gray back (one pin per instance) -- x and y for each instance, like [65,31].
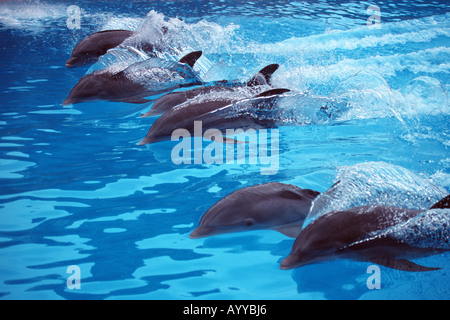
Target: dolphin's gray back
[157,74]
[101,41]
[173,99]
[429,229]
[376,183]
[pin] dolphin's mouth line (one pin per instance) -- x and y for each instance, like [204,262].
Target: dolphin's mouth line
[219,231]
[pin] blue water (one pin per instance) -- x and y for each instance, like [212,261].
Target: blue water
[76,189]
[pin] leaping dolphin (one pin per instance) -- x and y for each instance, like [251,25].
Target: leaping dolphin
[173,99]
[383,235]
[139,80]
[95,45]
[217,114]
[272,205]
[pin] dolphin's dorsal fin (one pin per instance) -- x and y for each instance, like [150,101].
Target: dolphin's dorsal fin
[191,58]
[272,92]
[264,76]
[402,264]
[442,204]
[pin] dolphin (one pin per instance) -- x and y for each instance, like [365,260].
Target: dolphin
[173,99]
[273,205]
[217,114]
[95,45]
[139,80]
[378,234]
[442,204]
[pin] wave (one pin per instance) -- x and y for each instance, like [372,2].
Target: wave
[398,52]
[390,34]
[376,184]
[348,74]
[430,229]
[362,96]
[336,76]
[172,38]
[31,16]
[37,16]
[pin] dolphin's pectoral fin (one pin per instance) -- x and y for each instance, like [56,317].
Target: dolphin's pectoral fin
[292,231]
[402,264]
[191,58]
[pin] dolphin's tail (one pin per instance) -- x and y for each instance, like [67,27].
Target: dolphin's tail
[442,204]
[264,76]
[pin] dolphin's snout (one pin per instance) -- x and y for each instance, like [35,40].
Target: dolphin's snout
[143,142]
[204,231]
[193,235]
[67,102]
[197,233]
[149,114]
[71,63]
[149,140]
[288,263]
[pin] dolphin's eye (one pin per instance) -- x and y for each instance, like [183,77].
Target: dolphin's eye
[249,222]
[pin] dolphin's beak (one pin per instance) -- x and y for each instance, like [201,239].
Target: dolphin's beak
[148,140]
[196,233]
[289,262]
[67,102]
[143,142]
[202,232]
[69,63]
[149,114]
[72,62]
